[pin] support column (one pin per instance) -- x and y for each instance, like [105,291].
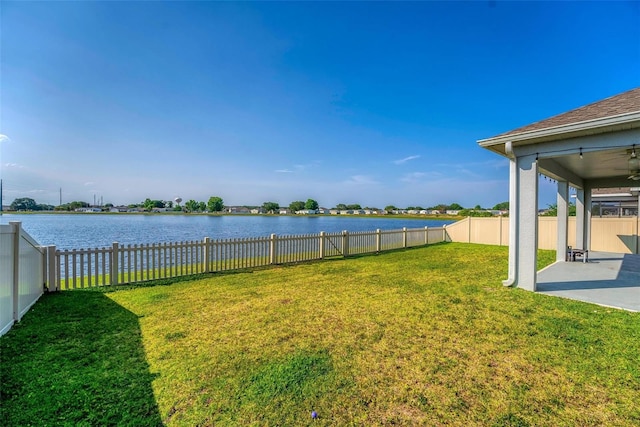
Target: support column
[523,248]
[563,220]
[514,209]
[588,202]
[580,218]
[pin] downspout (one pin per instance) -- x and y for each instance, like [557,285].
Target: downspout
[511,280]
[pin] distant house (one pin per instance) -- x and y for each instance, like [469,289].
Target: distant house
[285,211]
[238,210]
[258,211]
[615,202]
[306,212]
[119,209]
[157,210]
[452,212]
[334,212]
[323,211]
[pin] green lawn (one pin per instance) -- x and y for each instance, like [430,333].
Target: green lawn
[426,336]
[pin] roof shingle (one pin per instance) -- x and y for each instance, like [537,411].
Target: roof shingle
[626,102]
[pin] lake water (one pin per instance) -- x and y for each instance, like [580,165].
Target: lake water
[80,231]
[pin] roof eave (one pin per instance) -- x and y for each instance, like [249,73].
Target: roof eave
[587,127]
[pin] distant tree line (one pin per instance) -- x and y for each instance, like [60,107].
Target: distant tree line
[27,204]
[216,204]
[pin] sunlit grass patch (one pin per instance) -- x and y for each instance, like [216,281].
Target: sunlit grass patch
[426,336]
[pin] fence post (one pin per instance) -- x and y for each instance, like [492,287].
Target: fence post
[272,249]
[378,240]
[114,263]
[206,253]
[426,235]
[469,229]
[15,230]
[345,243]
[52,284]
[322,245]
[404,237]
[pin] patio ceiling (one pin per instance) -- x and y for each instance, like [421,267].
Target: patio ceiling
[591,143]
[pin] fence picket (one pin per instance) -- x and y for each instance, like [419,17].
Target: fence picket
[80,268]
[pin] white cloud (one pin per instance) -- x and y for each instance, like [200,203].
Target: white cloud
[284,171]
[361,180]
[87,184]
[4,138]
[13,166]
[406,159]
[414,177]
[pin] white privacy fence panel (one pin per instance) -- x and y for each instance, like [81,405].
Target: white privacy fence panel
[137,263]
[30,273]
[6,278]
[22,274]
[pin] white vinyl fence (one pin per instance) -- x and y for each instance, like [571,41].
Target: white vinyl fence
[22,267]
[120,264]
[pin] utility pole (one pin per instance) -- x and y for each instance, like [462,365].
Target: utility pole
[60,197]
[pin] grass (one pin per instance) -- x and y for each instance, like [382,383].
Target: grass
[425,336]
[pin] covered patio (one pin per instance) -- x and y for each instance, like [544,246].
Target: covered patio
[608,279]
[595,146]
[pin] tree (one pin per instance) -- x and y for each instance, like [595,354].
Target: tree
[504,206]
[475,213]
[440,208]
[354,207]
[191,206]
[23,204]
[390,208]
[202,206]
[477,208]
[311,204]
[215,204]
[552,210]
[341,207]
[149,204]
[296,206]
[455,207]
[270,207]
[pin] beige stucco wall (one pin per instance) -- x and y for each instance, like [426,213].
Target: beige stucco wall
[607,234]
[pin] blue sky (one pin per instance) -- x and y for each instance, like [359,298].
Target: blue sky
[343,102]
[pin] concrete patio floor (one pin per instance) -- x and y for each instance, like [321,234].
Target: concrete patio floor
[608,279]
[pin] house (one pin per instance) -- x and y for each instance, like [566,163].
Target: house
[306,212]
[334,212]
[238,210]
[590,147]
[257,211]
[88,210]
[615,202]
[285,211]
